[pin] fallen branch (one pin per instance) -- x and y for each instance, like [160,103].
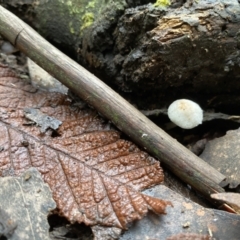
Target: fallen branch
[129,120]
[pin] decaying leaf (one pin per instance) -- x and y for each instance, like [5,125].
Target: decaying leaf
[189,236]
[224,154]
[233,199]
[186,217]
[8,225]
[27,201]
[95,176]
[43,80]
[41,119]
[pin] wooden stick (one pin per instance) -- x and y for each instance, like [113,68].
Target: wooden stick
[129,120]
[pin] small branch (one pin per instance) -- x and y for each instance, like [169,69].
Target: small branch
[207,116]
[129,120]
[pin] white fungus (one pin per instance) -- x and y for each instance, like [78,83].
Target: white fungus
[185,113]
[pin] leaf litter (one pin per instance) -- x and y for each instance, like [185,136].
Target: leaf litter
[187,220]
[233,199]
[25,202]
[95,176]
[223,154]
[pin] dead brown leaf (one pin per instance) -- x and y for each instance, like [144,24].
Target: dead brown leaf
[223,154]
[189,236]
[187,217]
[233,199]
[95,176]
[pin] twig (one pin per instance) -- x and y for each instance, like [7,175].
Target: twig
[139,128]
[208,116]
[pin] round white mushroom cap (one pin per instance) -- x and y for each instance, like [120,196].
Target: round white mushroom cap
[185,113]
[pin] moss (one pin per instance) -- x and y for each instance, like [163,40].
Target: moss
[69,3]
[162,3]
[91,5]
[88,19]
[72,31]
[74,16]
[72,7]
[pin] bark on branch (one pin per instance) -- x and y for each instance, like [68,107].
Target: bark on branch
[139,128]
